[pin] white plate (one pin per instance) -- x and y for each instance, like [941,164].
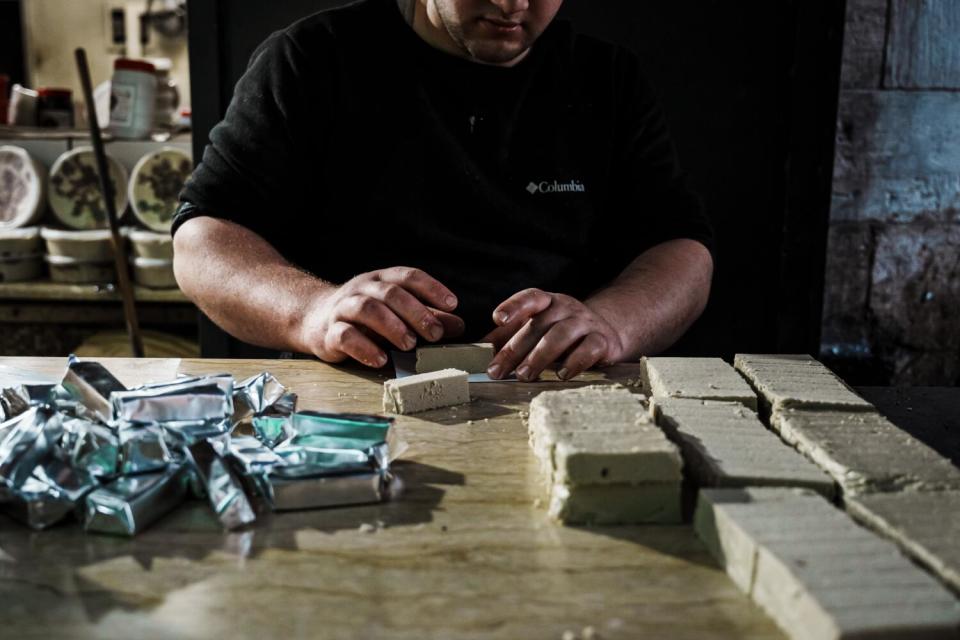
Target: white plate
[74,191]
[155,186]
[22,187]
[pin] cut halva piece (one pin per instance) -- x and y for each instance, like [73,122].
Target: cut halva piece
[797,382]
[725,445]
[472,358]
[426,391]
[866,453]
[703,378]
[925,525]
[603,459]
[815,572]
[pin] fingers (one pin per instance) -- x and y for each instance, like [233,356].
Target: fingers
[555,342]
[453,326]
[501,335]
[517,348]
[423,286]
[375,315]
[407,308]
[591,350]
[350,341]
[522,306]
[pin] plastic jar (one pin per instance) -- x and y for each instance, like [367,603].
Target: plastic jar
[54,108]
[133,99]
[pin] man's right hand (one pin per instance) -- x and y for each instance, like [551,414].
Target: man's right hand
[397,304]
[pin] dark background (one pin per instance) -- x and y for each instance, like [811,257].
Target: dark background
[750,88]
[11,41]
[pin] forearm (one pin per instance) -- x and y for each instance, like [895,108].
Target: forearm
[657,297]
[244,285]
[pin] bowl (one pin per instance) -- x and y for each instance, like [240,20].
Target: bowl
[22,188]
[74,190]
[72,271]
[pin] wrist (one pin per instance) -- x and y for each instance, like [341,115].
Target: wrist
[308,323]
[623,325]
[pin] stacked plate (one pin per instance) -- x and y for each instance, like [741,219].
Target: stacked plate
[155,186]
[74,193]
[80,257]
[21,254]
[22,188]
[153,259]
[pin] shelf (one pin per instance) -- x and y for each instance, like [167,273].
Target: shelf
[36,133]
[44,290]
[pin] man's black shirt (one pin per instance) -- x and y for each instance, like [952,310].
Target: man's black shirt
[353,145]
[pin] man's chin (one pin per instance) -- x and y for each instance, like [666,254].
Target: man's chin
[497,53]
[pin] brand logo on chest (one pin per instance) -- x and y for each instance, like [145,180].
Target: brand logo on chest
[554,186]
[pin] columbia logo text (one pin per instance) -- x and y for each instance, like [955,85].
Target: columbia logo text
[547,186]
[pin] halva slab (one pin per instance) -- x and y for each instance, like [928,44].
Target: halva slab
[702,378]
[797,382]
[426,391]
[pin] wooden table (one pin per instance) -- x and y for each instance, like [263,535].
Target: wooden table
[465,552]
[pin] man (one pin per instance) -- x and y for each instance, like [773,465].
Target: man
[489,173]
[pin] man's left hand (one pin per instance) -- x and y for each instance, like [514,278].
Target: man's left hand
[536,328]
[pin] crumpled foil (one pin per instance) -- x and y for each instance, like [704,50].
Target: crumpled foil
[119,459]
[261,395]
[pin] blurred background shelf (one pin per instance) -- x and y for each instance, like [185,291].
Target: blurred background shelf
[44,290]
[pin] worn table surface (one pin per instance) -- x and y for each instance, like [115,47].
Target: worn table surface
[466,552]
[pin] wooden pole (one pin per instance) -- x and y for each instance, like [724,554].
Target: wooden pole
[106,188]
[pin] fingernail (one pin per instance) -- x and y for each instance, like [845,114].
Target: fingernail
[409,341]
[523,372]
[494,372]
[450,301]
[563,374]
[436,332]
[503,317]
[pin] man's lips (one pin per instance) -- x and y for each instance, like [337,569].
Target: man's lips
[502,26]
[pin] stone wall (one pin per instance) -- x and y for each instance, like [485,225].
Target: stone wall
[892,297]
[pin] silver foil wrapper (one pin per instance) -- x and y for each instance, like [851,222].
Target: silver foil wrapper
[18,398]
[143,448]
[224,486]
[188,399]
[90,385]
[326,491]
[91,447]
[130,504]
[25,441]
[186,432]
[259,395]
[49,495]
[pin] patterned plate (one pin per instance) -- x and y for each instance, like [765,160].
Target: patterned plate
[156,184]
[21,188]
[75,196]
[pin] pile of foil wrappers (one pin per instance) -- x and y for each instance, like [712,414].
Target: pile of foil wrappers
[118,459]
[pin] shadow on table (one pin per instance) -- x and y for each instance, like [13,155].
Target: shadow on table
[678,541]
[476,411]
[46,561]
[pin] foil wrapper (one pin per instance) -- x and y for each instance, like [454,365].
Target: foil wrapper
[91,447]
[206,399]
[16,399]
[272,431]
[130,504]
[187,432]
[49,495]
[224,486]
[345,425]
[261,395]
[143,448]
[304,462]
[326,491]
[25,441]
[90,386]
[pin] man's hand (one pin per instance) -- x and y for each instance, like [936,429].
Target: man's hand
[536,328]
[396,304]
